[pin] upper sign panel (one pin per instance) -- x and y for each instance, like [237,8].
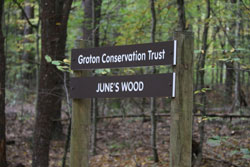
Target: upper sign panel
[162,53]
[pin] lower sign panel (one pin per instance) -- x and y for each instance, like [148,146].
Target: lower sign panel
[157,85]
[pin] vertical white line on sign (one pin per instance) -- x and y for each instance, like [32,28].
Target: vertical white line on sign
[173,87]
[175,48]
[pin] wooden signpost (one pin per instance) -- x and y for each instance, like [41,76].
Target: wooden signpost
[80,125]
[178,85]
[182,104]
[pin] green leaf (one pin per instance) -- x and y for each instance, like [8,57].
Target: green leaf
[65,67]
[48,58]
[56,62]
[61,68]
[197,92]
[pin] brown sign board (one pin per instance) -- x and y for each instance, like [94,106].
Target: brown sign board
[157,85]
[161,53]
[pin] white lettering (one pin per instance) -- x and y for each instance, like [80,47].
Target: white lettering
[107,87]
[80,59]
[88,60]
[117,87]
[132,86]
[156,55]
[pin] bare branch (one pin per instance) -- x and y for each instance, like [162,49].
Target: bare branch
[25,15]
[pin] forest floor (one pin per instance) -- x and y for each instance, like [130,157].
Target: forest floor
[125,142]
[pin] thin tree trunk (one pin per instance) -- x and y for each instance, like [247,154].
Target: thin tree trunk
[153,99]
[248,73]
[237,64]
[229,82]
[3,162]
[28,54]
[212,80]
[201,62]
[94,125]
[215,31]
[97,4]
[96,9]
[37,57]
[217,73]
[221,69]
[69,114]
[230,72]
[87,23]
[181,14]
[196,85]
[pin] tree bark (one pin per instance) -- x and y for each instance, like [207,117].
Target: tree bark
[230,72]
[3,162]
[54,32]
[28,55]
[97,5]
[153,99]
[96,9]
[237,64]
[87,23]
[181,14]
[201,65]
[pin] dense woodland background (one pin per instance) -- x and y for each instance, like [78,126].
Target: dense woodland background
[36,39]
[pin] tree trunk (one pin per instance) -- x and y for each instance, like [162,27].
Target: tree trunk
[87,23]
[96,9]
[153,99]
[231,73]
[237,64]
[54,32]
[181,14]
[196,85]
[214,69]
[221,69]
[3,162]
[96,21]
[217,73]
[28,54]
[229,82]
[201,65]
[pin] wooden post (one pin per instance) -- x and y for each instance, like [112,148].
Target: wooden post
[182,104]
[80,129]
